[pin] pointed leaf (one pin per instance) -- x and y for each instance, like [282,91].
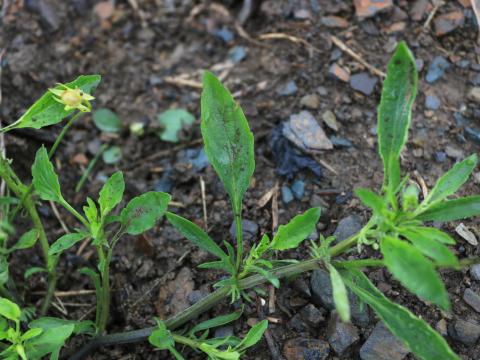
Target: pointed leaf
[394,112]
[414,271]
[420,338]
[340,295]
[298,229]
[430,233]
[195,234]
[433,249]
[370,199]
[45,179]
[27,240]
[254,335]
[66,242]
[9,310]
[142,212]
[47,111]
[111,193]
[216,321]
[161,338]
[227,138]
[451,210]
[451,181]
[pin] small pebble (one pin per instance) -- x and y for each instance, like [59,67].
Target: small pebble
[298,189]
[287,89]
[432,102]
[437,69]
[287,195]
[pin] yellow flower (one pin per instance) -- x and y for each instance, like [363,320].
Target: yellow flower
[72,98]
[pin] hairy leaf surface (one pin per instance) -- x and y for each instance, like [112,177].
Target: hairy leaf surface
[227,138]
[420,338]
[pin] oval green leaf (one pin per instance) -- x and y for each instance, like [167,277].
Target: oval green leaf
[414,271]
[451,210]
[195,234]
[107,121]
[298,229]
[142,212]
[46,111]
[394,112]
[340,295]
[111,193]
[45,180]
[420,338]
[66,242]
[227,138]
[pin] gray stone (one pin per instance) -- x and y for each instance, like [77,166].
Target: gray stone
[472,299]
[303,130]
[249,230]
[298,189]
[363,82]
[311,101]
[382,345]
[347,227]
[474,94]
[312,315]
[341,335]
[437,69]
[287,89]
[432,102]
[287,195]
[305,349]
[322,295]
[475,272]
[466,332]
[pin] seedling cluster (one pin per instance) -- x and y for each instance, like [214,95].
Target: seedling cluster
[411,251]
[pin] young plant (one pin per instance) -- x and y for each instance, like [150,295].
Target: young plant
[409,249]
[45,336]
[226,348]
[62,101]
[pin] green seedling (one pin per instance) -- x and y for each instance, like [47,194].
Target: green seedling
[45,336]
[227,348]
[397,231]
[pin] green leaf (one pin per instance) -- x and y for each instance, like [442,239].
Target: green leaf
[254,335]
[289,236]
[50,341]
[33,270]
[8,200]
[420,338]
[340,295]
[27,240]
[451,181]
[431,248]
[112,155]
[142,212]
[161,338]
[47,322]
[4,273]
[91,212]
[227,138]
[45,179]
[107,121]
[394,112]
[267,275]
[66,242]
[173,121]
[29,334]
[429,233]
[414,271]
[111,193]
[47,111]
[216,321]
[195,234]
[370,199]
[451,210]
[9,310]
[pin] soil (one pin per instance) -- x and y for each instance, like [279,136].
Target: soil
[136,50]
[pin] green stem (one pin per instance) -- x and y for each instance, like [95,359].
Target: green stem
[208,302]
[105,300]
[239,233]
[54,147]
[359,263]
[19,189]
[75,213]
